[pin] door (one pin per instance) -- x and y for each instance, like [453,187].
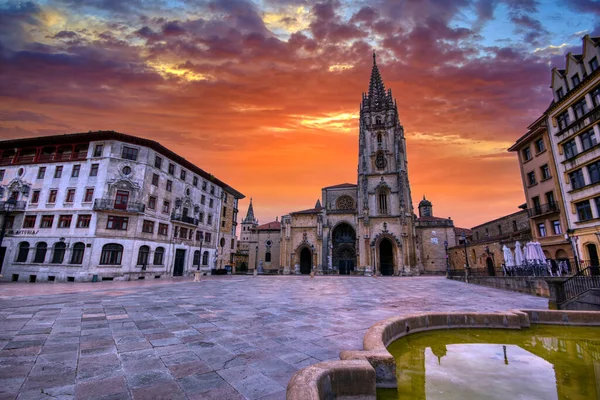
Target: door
[121,199]
[2,253]
[386,258]
[305,261]
[490,267]
[179,262]
[594,262]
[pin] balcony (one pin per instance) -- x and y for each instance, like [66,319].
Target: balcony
[110,205]
[587,120]
[19,206]
[543,209]
[185,219]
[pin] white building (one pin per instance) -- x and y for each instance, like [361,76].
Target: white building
[105,205]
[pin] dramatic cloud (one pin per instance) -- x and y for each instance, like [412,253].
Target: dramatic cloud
[265,95]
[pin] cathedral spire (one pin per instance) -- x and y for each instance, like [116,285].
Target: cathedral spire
[250,215]
[377,97]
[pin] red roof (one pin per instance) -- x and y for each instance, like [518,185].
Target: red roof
[341,186]
[271,226]
[460,231]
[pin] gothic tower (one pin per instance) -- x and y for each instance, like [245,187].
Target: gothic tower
[385,211]
[247,225]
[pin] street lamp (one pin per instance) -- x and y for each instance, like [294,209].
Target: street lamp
[447,260]
[467,266]
[256,260]
[9,206]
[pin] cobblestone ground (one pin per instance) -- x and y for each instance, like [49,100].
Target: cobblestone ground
[231,337]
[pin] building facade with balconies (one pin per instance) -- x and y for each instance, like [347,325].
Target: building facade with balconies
[574,132]
[105,205]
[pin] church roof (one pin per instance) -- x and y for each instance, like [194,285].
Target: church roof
[309,211]
[250,215]
[271,226]
[377,99]
[460,231]
[341,186]
[433,219]
[424,202]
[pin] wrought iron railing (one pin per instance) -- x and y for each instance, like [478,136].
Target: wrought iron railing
[185,219]
[109,205]
[19,206]
[586,279]
[543,209]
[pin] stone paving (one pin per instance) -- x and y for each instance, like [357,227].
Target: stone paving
[232,337]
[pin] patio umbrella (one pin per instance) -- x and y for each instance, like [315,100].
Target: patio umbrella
[509,261]
[519,258]
[540,252]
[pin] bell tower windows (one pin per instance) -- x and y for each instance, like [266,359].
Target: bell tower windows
[380,161]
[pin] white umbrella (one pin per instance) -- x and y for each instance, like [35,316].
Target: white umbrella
[509,261]
[531,252]
[519,258]
[540,252]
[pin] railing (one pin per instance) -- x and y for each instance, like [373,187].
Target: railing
[579,124]
[584,280]
[543,209]
[109,205]
[185,219]
[19,205]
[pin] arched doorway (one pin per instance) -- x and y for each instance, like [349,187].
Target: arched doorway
[490,267]
[344,248]
[305,261]
[386,257]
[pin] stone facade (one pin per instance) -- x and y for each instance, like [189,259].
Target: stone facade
[106,205]
[227,243]
[434,237]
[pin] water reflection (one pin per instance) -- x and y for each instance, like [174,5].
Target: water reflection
[543,362]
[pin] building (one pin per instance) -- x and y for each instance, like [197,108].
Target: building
[106,205]
[368,226]
[574,134]
[227,244]
[545,206]
[434,236]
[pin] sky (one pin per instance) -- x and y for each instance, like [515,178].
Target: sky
[265,94]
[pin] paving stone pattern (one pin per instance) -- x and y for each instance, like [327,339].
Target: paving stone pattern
[232,337]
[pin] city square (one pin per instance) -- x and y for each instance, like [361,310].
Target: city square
[231,337]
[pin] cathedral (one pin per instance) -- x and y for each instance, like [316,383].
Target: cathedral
[363,228]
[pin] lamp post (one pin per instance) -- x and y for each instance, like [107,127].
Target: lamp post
[256,260]
[467,266]
[573,240]
[447,260]
[8,207]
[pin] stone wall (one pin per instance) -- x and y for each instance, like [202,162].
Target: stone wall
[523,284]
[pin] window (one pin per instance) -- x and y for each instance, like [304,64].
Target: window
[126,170]
[89,195]
[563,120]
[23,252]
[129,153]
[157,162]
[182,174]
[94,170]
[35,197]
[588,140]
[98,149]
[560,93]
[169,186]
[41,173]
[194,181]
[77,253]
[52,196]
[40,252]
[595,94]
[183,233]
[2,171]
[143,255]
[594,64]
[112,254]
[576,178]
[47,221]
[499,229]
[171,169]
[203,199]
[584,210]
[223,224]
[268,256]
[380,161]
[207,237]
[176,232]
[515,227]
[155,179]
[199,236]
[58,255]
[75,171]
[29,221]
[64,221]
[118,223]
[594,172]
[159,256]
[58,171]
[570,149]
[545,172]
[210,203]
[526,154]
[121,200]
[580,108]
[382,202]
[196,260]
[205,258]
[201,217]
[152,203]
[209,220]
[70,196]
[531,178]
[539,145]
[10,221]
[379,138]
[575,80]
[541,230]
[83,221]
[204,185]
[232,243]
[556,227]
[148,226]
[163,229]
[550,199]
[166,207]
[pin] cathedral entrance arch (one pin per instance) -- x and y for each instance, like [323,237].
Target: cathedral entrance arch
[344,248]
[305,261]
[386,257]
